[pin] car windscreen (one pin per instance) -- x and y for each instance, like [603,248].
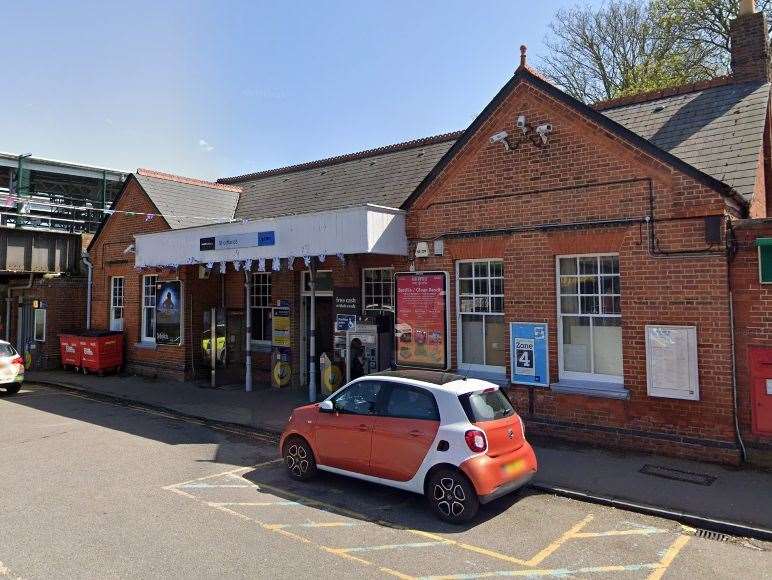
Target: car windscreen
[7,350]
[487,405]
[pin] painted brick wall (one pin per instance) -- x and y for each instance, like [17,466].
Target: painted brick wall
[586,174]
[753,316]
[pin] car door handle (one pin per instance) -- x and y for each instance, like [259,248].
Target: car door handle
[415,433]
[364,427]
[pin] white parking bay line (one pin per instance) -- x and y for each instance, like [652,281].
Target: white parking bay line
[396,546]
[201,484]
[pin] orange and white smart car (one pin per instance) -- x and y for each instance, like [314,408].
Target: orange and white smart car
[456,440]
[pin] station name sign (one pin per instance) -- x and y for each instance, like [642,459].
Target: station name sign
[247,240]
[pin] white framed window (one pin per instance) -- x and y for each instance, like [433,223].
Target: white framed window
[378,289]
[148,308]
[589,318]
[260,307]
[480,315]
[116,303]
[40,325]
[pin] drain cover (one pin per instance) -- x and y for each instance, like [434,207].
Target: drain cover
[677,474]
[708,535]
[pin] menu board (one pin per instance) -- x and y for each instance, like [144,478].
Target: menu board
[421,328]
[280,326]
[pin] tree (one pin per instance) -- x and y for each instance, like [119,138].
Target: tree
[631,46]
[705,23]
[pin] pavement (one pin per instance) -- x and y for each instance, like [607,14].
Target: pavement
[704,495]
[102,488]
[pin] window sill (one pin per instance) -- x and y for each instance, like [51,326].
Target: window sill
[147,345]
[591,389]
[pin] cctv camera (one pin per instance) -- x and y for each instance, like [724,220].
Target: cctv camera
[501,137]
[543,131]
[522,124]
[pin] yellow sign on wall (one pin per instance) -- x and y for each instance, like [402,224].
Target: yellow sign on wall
[281,327]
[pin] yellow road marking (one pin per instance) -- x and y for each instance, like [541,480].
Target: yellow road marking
[547,552]
[669,557]
[343,554]
[397,574]
[224,473]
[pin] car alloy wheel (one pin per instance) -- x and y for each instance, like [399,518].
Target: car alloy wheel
[297,460]
[450,497]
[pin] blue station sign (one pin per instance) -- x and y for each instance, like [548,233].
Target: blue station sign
[234,241]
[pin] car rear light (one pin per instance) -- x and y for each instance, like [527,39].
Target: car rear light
[17,360]
[476,440]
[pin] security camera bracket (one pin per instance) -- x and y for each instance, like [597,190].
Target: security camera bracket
[526,134]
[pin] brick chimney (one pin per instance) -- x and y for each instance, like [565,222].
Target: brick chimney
[750,47]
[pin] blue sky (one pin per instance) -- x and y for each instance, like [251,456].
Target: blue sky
[211,89]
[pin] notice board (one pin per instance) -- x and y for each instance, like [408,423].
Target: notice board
[671,362]
[421,328]
[168,312]
[529,353]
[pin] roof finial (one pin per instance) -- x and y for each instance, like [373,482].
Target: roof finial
[523,50]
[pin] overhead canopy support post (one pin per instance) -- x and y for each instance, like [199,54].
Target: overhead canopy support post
[312,334]
[248,345]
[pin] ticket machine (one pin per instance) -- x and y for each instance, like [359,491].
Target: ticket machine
[362,351]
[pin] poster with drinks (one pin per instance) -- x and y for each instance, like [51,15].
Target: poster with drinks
[168,312]
[421,328]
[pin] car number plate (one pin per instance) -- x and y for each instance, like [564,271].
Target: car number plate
[514,467]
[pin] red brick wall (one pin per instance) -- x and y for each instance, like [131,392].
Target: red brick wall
[753,315]
[109,259]
[586,174]
[66,312]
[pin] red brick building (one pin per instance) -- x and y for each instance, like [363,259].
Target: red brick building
[614,225]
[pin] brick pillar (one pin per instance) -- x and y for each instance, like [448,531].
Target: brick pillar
[750,48]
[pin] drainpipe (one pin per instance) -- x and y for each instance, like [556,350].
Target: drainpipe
[248,346]
[90,267]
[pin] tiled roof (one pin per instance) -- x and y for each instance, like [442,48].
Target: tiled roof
[189,199]
[384,176]
[718,130]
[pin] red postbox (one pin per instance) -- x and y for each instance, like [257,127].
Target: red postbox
[101,351]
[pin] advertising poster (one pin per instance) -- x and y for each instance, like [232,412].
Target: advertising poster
[168,312]
[421,328]
[280,319]
[529,353]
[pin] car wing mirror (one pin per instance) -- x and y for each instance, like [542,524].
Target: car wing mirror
[326,407]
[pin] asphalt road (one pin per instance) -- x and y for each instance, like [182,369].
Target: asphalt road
[92,489]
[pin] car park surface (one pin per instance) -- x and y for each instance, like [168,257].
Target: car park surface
[125,491]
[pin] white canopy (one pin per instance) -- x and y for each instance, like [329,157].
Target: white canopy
[367,229]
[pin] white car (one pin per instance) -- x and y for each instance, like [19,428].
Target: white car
[456,440]
[11,368]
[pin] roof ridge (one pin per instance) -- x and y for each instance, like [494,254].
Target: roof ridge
[434,139]
[663,93]
[187,180]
